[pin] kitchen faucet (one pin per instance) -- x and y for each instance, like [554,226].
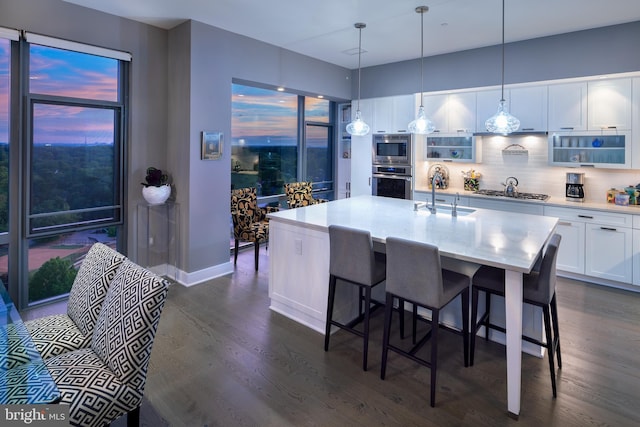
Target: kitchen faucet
[436,180]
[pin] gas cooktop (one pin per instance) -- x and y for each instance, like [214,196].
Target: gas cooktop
[522,196]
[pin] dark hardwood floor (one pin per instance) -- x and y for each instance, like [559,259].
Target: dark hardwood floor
[222,358]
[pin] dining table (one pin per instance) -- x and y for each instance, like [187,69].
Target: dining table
[299,254]
[24,378]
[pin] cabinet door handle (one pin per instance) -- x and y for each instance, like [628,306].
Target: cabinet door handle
[608,229]
[564,223]
[585,216]
[526,129]
[567,128]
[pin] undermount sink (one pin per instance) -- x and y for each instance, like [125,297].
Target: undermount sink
[446,209]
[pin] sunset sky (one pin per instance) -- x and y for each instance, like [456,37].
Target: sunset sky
[257,113]
[68,74]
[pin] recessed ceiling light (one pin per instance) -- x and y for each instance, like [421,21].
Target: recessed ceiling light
[280,89]
[320,96]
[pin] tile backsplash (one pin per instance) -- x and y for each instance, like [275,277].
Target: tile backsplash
[532,170]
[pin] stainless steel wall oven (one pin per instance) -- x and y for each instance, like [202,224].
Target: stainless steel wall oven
[392,181]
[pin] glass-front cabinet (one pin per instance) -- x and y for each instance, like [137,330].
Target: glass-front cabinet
[460,148]
[601,149]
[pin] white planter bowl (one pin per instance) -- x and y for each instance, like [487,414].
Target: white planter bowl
[156,195]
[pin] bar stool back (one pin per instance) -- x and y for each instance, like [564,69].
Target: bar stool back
[353,260]
[414,274]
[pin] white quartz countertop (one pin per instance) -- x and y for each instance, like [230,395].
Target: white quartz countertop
[501,239]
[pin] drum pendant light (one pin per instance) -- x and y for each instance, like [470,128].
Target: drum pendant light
[421,125]
[358,126]
[502,122]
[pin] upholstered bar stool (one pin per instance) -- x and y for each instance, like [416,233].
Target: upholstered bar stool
[353,260]
[539,289]
[415,274]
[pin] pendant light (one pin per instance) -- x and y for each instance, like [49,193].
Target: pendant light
[358,126]
[421,125]
[502,122]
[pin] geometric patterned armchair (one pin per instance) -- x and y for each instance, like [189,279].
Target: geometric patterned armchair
[56,334]
[299,194]
[250,223]
[107,380]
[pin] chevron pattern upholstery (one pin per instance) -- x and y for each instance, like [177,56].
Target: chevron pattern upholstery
[300,194]
[107,380]
[53,335]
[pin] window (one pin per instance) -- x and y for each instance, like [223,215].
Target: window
[264,132]
[75,141]
[279,137]
[5,80]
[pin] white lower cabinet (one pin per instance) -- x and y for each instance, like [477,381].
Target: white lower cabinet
[571,250]
[595,243]
[608,252]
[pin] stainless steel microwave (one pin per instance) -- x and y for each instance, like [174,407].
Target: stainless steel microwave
[392,149]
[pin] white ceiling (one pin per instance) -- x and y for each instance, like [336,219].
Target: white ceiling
[325,30]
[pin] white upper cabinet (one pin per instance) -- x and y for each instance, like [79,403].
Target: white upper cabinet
[609,104]
[567,106]
[462,112]
[487,105]
[453,113]
[392,114]
[361,157]
[635,133]
[529,105]
[437,110]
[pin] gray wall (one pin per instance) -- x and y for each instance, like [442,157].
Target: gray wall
[203,63]
[578,54]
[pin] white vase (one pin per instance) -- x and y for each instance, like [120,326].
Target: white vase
[156,195]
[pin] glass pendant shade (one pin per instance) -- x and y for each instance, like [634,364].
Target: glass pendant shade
[421,125]
[502,122]
[358,127]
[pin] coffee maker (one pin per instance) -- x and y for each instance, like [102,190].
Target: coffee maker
[575,187]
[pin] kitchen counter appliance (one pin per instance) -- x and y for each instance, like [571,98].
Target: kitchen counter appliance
[392,149]
[575,187]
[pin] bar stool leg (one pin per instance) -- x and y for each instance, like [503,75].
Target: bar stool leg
[330,299]
[556,330]
[465,326]
[367,309]
[474,325]
[388,311]
[547,331]
[435,319]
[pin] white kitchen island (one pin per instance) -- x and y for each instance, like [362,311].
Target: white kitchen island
[299,255]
